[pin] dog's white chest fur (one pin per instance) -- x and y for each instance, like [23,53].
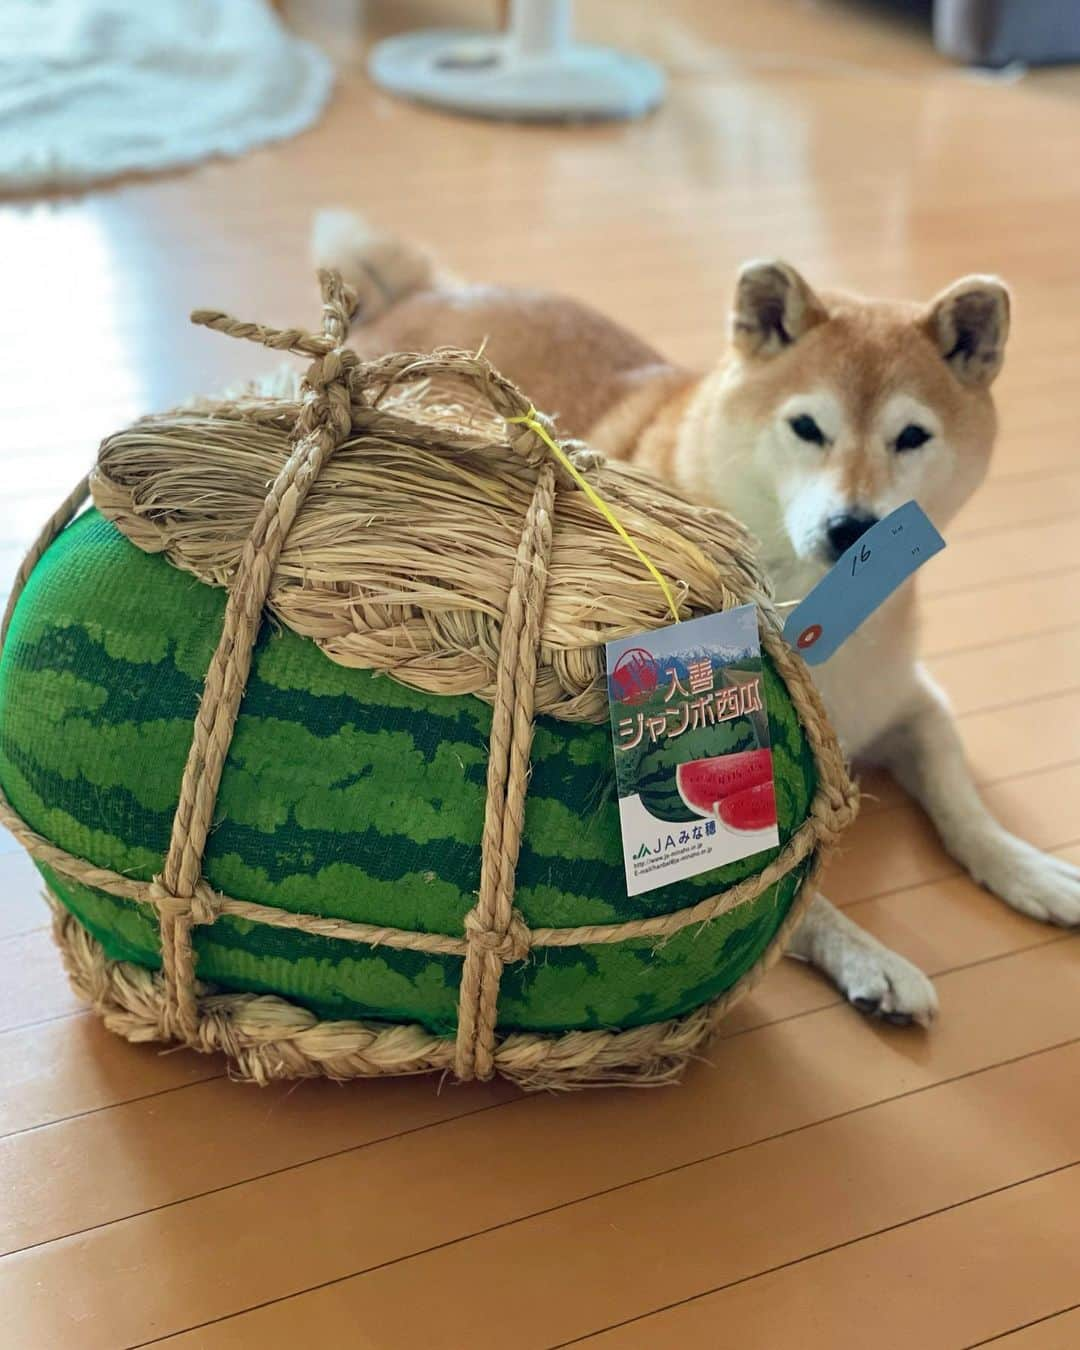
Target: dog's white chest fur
[871,679]
[866,684]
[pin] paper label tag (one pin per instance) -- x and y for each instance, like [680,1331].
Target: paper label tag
[863,578]
[692,755]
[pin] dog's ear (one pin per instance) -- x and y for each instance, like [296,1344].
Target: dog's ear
[774,307]
[969,323]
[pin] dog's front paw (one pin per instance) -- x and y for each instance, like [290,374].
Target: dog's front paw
[870,976]
[1035,883]
[883,984]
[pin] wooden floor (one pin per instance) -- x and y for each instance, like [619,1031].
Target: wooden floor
[822,1182]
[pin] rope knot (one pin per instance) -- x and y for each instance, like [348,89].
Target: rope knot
[585,458]
[332,367]
[513,945]
[526,438]
[201,907]
[328,381]
[835,808]
[532,436]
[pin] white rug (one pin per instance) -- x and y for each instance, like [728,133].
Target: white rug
[94,88]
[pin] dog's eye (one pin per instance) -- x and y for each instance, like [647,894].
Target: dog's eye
[912,437]
[807,429]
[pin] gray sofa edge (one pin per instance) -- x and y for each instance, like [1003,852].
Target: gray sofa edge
[997,32]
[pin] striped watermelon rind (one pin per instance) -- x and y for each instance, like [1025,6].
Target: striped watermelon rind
[344,794]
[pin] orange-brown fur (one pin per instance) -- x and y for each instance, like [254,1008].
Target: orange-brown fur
[826,413]
[538,341]
[607,386]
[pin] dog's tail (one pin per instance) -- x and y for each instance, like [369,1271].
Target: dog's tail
[381,269]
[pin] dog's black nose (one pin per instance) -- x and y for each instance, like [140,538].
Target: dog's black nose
[843,531]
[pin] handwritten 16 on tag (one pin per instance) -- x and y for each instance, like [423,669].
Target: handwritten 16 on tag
[860,581]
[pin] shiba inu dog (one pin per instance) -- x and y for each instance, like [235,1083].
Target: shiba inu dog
[827,413]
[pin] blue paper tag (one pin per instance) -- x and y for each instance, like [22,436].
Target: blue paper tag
[863,578]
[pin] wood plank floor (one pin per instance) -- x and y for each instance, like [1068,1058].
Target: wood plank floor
[821,1181]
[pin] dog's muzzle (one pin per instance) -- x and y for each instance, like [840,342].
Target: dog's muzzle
[844,530]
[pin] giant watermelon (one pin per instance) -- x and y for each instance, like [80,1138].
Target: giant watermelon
[345,794]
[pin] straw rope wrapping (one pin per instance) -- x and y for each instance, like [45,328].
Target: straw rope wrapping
[496,932]
[267,1037]
[402,558]
[180,895]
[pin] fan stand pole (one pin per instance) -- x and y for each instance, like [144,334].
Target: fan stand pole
[539,28]
[534,71]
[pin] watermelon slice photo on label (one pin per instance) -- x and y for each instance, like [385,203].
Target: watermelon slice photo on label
[704,784]
[752,809]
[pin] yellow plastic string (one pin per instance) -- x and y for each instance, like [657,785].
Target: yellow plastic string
[531,421]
